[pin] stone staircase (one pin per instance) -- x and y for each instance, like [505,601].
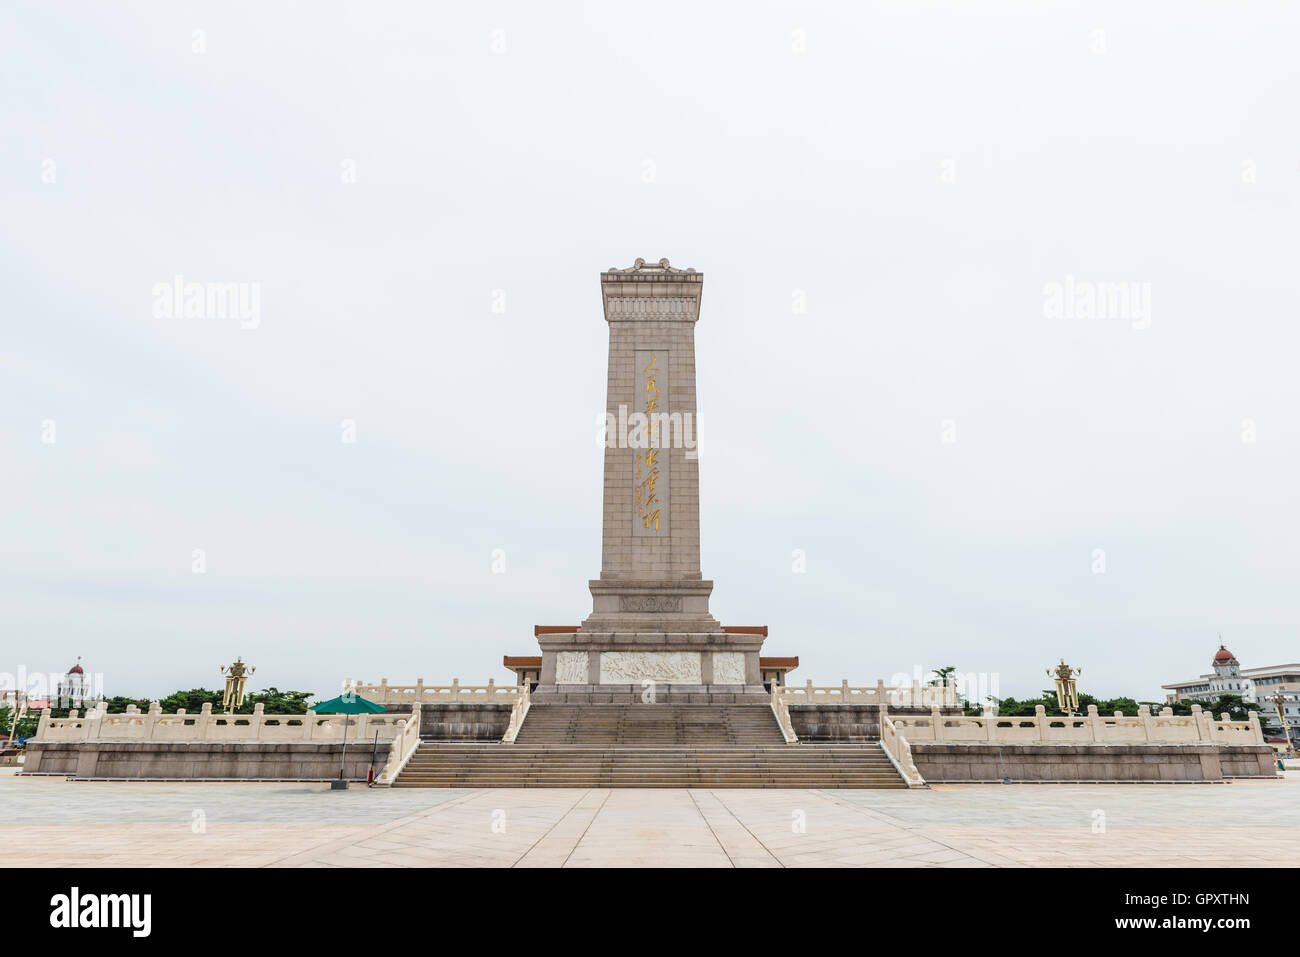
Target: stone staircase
[649,746]
[652,725]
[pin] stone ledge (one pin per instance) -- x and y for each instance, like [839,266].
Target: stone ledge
[212,747]
[736,695]
[445,706]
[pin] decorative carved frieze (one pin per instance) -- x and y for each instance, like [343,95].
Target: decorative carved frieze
[728,668]
[571,668]
[633,667]
[667,308]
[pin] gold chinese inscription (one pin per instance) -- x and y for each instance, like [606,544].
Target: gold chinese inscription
[650,468]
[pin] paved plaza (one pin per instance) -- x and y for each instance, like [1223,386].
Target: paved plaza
[133,824]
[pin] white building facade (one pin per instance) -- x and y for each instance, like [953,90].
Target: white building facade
[1255,685]
[73,688]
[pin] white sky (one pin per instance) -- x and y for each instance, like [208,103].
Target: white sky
[774,172]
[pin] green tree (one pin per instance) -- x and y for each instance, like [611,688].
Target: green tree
[275,701]
[192,701]
[941,675]
[1233,704]
[26,728]
[119,704]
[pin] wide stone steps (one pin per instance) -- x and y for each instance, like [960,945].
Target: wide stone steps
[651,725]
[783,766]
[649,746]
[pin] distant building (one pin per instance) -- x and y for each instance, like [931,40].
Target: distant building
[74,687]
[1255,685]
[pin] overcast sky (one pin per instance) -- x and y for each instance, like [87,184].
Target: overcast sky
[880,198]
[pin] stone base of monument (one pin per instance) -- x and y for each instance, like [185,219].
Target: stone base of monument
[626,667]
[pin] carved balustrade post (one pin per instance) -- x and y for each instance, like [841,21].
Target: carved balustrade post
[203,722]
[94,720]
[1198,723]
[1148,724]
[1256,732]
[151,720]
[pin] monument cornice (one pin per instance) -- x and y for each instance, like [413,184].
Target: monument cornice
[646,293]
[649,640]
[653,586]
[639,271]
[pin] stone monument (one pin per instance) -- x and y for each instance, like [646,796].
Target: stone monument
[650,632]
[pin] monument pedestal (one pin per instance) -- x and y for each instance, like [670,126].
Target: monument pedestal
[625,667]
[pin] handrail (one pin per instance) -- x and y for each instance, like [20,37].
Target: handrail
[1091,728]
[403,747]
[917,694]
[209,725]
[782,712]
[421,693]
[898,751]
[517,715]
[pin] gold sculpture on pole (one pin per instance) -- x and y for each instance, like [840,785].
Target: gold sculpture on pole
[236,677]
[1279,700]
[1067,689]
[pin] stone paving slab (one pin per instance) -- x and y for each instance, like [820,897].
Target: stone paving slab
[56,823]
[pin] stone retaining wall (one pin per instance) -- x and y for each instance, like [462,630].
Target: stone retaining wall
[939,763]
[461,722]
[845,723]
[203,761]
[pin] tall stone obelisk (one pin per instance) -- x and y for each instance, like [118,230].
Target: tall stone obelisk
[650,617]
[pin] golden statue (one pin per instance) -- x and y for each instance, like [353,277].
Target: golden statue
[1279,702]
[236,677]
[1067,689]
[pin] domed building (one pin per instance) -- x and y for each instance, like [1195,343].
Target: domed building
[73,688]
[1254,685]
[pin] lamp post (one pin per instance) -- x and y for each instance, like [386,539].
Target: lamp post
[236,677]
[19,712]
[1279,700]
[1067,689]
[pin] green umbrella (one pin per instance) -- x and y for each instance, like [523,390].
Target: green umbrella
[346,704]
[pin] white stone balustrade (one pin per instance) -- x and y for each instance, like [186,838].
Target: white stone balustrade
[898,750]
[517,715]
[420,693]
[211,726]
[782,712]
[405,743]
[916,695]
[1199,727]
